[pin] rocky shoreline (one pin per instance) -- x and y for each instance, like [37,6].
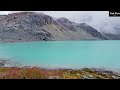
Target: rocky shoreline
[14,70]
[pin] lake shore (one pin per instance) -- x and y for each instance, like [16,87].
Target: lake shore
[42,73]
[28,41]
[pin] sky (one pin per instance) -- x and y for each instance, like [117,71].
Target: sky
[97,19]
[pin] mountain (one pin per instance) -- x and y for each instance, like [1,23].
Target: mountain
[112,36]
[2,16]
[83,28]
[31,26]
[91,31]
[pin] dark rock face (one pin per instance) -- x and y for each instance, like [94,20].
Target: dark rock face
[24,26]
[67,23]
[31,26]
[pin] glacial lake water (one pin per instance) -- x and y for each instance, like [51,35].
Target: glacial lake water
[64,54]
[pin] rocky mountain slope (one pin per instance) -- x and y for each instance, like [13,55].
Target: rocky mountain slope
[2,16]
[31,26]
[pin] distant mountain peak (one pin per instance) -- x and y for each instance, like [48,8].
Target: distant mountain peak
[28,18]
[64,20]
[67,23]
[83,24]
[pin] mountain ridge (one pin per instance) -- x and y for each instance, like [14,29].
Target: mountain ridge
[31,26]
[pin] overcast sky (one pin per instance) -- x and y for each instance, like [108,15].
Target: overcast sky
[97,19]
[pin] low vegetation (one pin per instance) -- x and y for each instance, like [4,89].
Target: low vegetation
[39,73]
[14,70]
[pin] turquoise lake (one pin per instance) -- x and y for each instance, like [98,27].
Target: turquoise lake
[64,54]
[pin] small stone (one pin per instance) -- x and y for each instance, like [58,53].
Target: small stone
[85,77]
[77,74]
[100,76]
[54,77]
[91,76]
[115,77]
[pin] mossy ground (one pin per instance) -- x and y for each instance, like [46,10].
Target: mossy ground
[39,73]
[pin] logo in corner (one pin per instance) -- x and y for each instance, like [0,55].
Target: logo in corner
[114,13]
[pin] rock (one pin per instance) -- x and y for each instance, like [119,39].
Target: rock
[91,76]
[1,65]
[77,74]
[85,77]
[54,77]
[115,77]
[2,62]
[88,77]
[100,76]
[67,23]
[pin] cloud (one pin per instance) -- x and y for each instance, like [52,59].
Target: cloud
[4,12]
[100,20]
